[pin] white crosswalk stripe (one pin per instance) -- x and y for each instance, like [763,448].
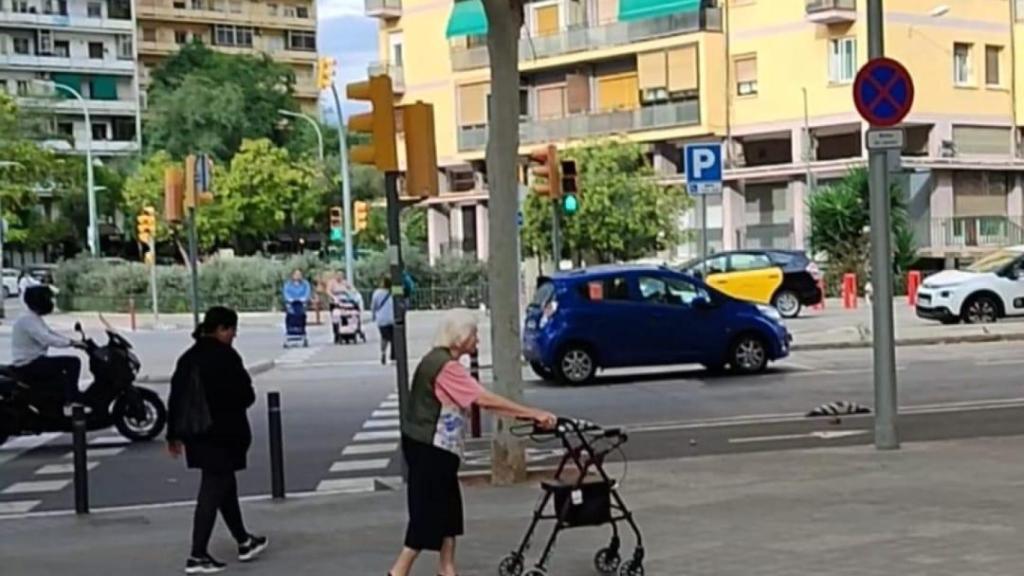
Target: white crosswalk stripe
[298,355]
[377,435]
[385,413]
[55,469]
[378,441]
[36,487]
[390,423]
[364,449]
[360,465]
[18,506]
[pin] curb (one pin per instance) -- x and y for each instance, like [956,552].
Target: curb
[922,341]
[254,369]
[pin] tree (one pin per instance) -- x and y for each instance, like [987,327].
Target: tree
[840,221]
[624,213]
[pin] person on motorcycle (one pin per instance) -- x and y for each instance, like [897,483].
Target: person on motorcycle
[31,340]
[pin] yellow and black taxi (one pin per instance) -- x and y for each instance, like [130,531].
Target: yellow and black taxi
[786,279]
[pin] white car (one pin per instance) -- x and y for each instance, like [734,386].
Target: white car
[989,289]
[10,284]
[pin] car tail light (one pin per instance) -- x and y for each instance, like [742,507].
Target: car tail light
[549,311]
[815,272]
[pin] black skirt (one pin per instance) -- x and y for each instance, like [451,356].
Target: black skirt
[435,500]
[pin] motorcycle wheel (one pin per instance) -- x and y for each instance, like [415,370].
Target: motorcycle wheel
[136,429]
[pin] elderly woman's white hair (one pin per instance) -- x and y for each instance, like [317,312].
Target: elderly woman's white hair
[456,327]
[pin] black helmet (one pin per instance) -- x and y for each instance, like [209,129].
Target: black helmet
[39,299]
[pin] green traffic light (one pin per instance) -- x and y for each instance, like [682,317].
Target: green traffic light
[570,204]
[336,235]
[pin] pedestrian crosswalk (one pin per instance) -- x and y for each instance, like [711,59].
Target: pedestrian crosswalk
[364,463]
[297,356]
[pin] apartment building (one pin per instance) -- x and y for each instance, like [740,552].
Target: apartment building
[769,79]
[84,45]
[283,29]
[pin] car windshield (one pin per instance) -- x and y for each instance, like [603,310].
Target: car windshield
[994,261]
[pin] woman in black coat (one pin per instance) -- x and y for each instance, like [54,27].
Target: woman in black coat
[221,451]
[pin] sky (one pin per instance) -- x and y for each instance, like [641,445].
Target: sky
[351,38]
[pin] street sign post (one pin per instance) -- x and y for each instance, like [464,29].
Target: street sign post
[883,93]
[703,165]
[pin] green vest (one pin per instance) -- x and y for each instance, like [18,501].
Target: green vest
[419,420]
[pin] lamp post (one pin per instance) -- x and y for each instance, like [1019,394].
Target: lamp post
[93,237]
[3,235]
[314,124]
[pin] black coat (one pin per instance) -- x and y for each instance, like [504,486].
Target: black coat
[229,394]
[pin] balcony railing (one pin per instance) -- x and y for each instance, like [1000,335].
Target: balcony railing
[397,74]
[585,38]
[384,8]
[589,125]
[831,11]
[65,20]
[965,232]
[32,61]
[779,236]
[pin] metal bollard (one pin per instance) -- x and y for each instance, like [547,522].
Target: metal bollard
[474,370]
[79,444]
[131,313]
[276,445]
[913,285]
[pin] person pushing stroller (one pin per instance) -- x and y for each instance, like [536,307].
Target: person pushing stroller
[297,293]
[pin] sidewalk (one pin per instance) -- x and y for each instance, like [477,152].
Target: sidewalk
[933,509]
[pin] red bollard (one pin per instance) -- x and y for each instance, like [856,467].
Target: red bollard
[849,291]
[131,313]
[913,284]
[821,289]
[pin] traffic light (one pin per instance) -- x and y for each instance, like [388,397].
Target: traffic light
[546,169]
[146,225]
[174,191]
[362,215]
[420,150]
[325,72]
[570,187]
[337,232]
[379,122]
[198,180]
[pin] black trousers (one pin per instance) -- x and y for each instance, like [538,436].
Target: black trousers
[218,491]
[434,496]
[54,373]
[387,336]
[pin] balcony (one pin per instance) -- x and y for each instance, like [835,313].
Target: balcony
[63,21]
[252,13]
[384,8]
[967,233]
[587,38]
[396,73]
[120,107]
[589,125]
[51,63]
[832,11]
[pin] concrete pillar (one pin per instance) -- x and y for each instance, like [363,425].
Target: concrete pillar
[668,158]
[1015,200]
[733,210]
[437,233]
[801,225]
[942,210]
[482,238]
[796,143]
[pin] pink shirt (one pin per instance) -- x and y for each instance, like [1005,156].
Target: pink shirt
[454,386]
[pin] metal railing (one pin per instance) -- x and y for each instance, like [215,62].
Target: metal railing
[374,7]
[821,5]
[582,38]
[397,74]
[976,231]
[597,124]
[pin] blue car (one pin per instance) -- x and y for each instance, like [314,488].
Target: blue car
[627,316]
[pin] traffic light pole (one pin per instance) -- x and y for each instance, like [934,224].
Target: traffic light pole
[152,280]
[193,261]
[556,235]
[346,191]
[398,295]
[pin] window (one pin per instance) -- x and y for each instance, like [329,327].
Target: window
[235,7]
[22,88]
[124,129]
[149,34]
[94,10]
[993,57]
[243,36]
[302,41]
[742,262]
[119,9]
[962,73]
[842,60]
[96,50]
[616,289]
[395,48]
[66,129]
[62,48]
[180,37]
[232,35]
[663,290]
[21,45]
[124,47]
[99,131]
[272,9]
[289,11]
[746,76]
[179,5]
[45,45]
[302,11]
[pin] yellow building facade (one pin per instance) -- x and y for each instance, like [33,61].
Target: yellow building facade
[770,79]
[283,29]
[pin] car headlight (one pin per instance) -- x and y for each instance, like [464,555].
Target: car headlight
[940,286]
[770,312]
[945,294]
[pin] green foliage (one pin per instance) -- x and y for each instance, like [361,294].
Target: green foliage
[623,213]
[840,218]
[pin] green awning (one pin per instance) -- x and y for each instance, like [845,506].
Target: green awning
[643,9]
[103,88]
[70,80]
[468,19]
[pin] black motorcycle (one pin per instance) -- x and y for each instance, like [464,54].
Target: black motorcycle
[113,399]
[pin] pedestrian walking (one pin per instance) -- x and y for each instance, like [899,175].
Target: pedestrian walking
[382,306]
[433,431]
[210,394]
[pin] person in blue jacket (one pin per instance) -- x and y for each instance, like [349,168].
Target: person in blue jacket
[297,289]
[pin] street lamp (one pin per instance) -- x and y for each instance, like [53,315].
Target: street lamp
[93,234]
[312,122]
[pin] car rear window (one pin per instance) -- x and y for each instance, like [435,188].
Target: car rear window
[601,289]
[545,292]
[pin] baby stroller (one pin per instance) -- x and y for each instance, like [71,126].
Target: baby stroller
[580,501]
[346,321]
[295,325]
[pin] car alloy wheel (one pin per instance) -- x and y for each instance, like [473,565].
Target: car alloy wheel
[577,366]
[788,304]
[749,355]
[981,310]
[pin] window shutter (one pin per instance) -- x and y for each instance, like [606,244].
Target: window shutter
[577,93]
[746,69]
[652,70]
[472,104]
[682,69]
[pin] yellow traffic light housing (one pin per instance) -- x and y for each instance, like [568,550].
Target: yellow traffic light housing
[547,170]
[174,192]
[379,122]
[325,72]
[362,215]
[420,150]
[146,225]
[197,180]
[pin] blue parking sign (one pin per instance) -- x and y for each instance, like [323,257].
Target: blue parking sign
[703,168]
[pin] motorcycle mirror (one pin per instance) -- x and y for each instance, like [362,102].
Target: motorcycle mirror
[78,327]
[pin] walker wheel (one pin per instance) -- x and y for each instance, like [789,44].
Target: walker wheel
[511,565]
[632,568]
[536,572]
[607,561]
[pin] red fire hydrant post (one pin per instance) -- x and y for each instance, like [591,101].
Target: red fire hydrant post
[913,284]
[849,291]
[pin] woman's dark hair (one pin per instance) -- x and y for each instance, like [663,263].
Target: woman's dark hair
[215,318]
[39,299]
[385,282]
